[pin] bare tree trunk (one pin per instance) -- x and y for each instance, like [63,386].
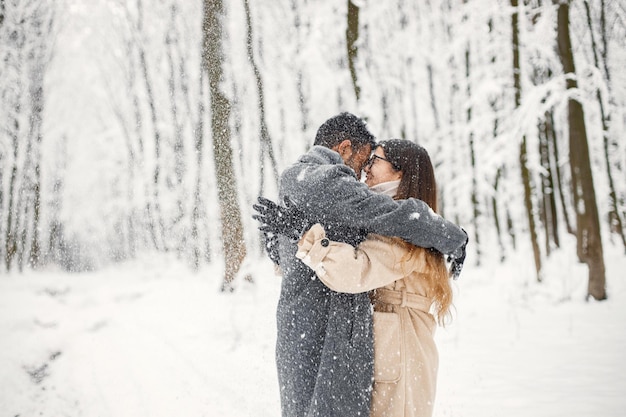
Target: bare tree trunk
[2,157]
[39,55]
[528,204]
[523,156]
[22,233]
[24,205]
[155,204]
[453,104]
[29,198]
[179,146]
[11,222]
[3,234]
[475,210]
[433,101]
[143,217]
[549,121]
[233,244]
[554,175]
[352,36]
[607,75]
[2,211]
[548,200]
[57,248]
[172,41]
[197,200]
[495,203]
[156,176]
[36,103]
[131,164]
[267,148]
[175,228]
[12,99]
[11,227]
[496,216]
[304,110]
[587,221]
[140,222]
[148,217]
[615,219]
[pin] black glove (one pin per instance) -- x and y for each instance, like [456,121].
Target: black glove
[456,260]
[287,221]
[270,242]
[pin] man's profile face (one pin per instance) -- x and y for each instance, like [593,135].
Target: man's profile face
[357,158]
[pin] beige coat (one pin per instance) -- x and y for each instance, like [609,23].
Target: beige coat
[406,358]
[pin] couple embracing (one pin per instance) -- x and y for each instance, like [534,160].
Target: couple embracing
[365,280]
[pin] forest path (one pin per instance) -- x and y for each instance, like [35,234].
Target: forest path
[132,345]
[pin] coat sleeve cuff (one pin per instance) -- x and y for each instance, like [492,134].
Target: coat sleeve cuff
[313,248]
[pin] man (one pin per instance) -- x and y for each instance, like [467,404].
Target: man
[324,350]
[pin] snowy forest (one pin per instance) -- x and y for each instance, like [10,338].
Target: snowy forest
[135,126]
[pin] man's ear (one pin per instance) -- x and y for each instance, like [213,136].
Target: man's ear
[344,148]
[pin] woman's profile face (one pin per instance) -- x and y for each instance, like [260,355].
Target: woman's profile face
[379,169]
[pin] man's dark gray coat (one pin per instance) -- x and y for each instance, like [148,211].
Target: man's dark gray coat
[324,350]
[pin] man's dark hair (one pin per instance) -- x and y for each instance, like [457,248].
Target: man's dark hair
[341,127]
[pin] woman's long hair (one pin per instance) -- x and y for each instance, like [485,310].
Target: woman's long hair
[418,181]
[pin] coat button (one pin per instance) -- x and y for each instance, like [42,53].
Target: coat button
[325,242]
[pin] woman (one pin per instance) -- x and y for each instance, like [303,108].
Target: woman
[412,285]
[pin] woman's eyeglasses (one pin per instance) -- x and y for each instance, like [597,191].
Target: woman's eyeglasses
[373,159]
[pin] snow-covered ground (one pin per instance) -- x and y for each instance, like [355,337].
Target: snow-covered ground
[150,338]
